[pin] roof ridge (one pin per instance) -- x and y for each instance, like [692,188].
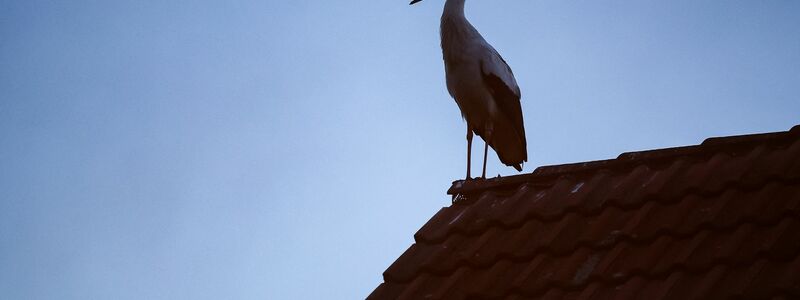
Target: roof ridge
[543,175]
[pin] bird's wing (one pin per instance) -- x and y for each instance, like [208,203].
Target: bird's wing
[498,77]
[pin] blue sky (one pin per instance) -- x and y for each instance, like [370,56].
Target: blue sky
[291,149]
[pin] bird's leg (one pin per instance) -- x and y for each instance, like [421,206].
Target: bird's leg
[485,151]
[486,141]
[469,149]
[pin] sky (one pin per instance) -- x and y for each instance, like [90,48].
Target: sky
[291,149]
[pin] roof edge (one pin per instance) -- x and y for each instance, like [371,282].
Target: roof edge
[545,175]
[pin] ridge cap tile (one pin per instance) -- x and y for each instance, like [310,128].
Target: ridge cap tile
[543,174]
[743,139]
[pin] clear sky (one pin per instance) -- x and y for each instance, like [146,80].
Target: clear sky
[291,149]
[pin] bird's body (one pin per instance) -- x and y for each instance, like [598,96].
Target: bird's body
[484,88]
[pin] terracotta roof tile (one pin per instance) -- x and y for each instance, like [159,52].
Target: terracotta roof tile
[716,220]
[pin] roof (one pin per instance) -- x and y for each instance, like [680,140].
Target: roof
[719,219]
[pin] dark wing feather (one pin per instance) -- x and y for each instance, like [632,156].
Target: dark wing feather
[506,97]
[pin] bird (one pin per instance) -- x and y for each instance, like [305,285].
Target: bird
[484,88]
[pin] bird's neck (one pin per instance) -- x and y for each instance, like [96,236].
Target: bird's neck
[456,32]
[454,9]
[455,28]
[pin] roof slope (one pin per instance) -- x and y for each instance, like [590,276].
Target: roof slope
[720,219]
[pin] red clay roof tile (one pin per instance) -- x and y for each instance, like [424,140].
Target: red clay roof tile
[716,220]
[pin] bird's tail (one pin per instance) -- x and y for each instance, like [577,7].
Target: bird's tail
[510,147]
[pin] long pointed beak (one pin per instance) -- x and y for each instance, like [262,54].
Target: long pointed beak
[414,1]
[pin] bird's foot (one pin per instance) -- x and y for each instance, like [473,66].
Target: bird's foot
[480,178]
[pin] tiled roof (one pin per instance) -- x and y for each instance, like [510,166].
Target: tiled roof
[716,220]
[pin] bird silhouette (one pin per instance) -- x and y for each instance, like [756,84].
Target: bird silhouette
[483,86]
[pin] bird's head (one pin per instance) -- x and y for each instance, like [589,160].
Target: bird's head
[414,1]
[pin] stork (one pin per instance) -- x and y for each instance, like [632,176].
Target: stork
[483,86]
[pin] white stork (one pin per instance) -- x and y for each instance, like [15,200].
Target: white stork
[484,88]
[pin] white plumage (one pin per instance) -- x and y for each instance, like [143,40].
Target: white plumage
[484,88]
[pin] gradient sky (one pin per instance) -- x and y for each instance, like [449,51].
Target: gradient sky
[291,149]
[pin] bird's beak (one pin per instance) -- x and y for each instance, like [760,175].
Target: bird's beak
[414,1]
